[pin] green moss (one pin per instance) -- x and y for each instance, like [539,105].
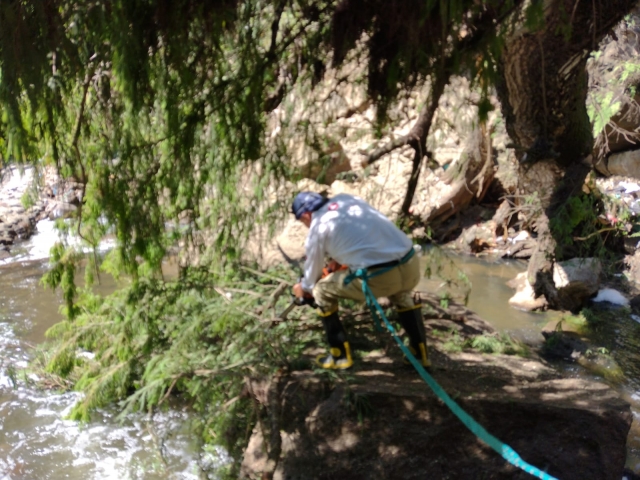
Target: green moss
[498,344]
[598,316]
[485,343]
[602,365]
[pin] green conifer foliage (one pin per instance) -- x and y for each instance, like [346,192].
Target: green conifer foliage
[158,108]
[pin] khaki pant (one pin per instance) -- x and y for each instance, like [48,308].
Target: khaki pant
[396,284]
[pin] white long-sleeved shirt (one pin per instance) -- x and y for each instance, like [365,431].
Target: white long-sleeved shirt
[353,233]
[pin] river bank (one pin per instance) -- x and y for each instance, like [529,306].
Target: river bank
[499,390]
[572,428]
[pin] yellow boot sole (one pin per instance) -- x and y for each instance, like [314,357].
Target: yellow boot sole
[333,360]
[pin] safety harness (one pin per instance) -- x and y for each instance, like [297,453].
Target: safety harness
[364,274]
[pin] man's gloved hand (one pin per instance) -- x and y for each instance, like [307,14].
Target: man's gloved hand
[302,297]
[298,292]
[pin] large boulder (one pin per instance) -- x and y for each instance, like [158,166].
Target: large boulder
[525,297]
[323,165]
[577,280]
[621,133]
[477,238]
[632,263]
[21,226]
[16,222]
[625,164]
[58,209]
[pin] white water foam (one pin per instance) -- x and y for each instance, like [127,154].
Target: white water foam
[46,236]
[612,296]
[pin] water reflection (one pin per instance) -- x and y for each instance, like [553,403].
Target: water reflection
[490,295]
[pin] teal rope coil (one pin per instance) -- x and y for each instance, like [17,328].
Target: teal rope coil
[508,453]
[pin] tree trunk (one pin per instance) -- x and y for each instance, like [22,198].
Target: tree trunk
[543,89]
[469,177]
[419,134]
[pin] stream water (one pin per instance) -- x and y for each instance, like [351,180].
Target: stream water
[489,298]
[36,442]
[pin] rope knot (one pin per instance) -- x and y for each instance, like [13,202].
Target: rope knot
[361,273]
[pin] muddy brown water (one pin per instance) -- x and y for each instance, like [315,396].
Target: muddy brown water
[37,442]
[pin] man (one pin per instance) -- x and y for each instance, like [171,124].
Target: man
[353,233]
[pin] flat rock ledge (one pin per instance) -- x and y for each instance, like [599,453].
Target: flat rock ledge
[381,421]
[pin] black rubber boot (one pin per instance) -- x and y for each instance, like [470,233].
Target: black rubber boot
[339,356]
[411,321]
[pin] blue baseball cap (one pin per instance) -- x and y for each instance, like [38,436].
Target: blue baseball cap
[307,202]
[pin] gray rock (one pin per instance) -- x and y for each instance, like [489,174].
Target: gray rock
[23,226]
[325,166]
[626,164]
[633,266]
[6,239]
[524,298]
[577,280]
[477,238]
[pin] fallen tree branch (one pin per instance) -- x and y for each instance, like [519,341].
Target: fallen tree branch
[388,148]
[170,389]
[201,372]
[246,292]
[223,294]
[273,298]
[582,239]
[265,275]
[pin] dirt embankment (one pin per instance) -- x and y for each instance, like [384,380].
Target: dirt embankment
[380,420]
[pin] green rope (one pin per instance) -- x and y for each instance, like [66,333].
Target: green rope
[508,453]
